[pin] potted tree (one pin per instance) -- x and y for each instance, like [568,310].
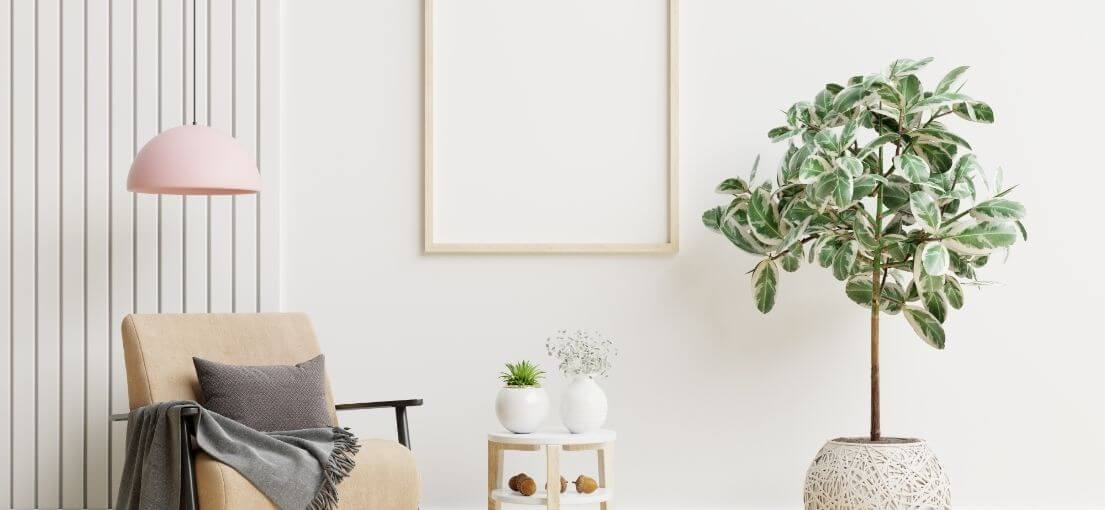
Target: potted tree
[876,187]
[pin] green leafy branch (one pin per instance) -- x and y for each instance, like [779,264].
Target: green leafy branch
[905,231]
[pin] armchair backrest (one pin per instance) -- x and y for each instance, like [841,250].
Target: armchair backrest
[159,348]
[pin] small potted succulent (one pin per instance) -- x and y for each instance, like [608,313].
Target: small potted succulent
[522,404]
[583,356]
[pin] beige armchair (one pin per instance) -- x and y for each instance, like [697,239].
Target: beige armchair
[159,350]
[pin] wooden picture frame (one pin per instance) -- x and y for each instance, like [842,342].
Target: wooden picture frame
[665,246]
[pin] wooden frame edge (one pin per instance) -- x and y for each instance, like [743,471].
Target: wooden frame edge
[430,246]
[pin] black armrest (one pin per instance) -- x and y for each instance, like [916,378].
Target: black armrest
[400,414]
[414,402]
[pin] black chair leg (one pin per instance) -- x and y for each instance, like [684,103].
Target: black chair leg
[401,426]
[189,498]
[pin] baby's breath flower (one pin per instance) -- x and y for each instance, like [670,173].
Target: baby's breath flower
[582,352]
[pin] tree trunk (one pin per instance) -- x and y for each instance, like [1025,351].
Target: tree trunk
[876,433]
[877,276]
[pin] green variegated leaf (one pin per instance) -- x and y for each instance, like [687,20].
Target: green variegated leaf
[926,283]
[975,111]
[910,88]
[740,234]
[712,218]
[891,295]
[925,325]
[763,217]
[842,184]
[827,253]
[953,291]
[904,66]
[827,141]
[966,166]
[851,165]
[865,232]
[793,235]
[945,99]
[935,305]
[797,158]
[912,167]
[998,209]
[935,259]
[732,186]
[812,168]
[942,136]
[848,134]
[873,145]
[790,262]
[755,168]
[949,80]
[938,155]
[799,210]
[823,101]
[970,238]
[1024,231]
[844,259]
[848,98]
[782,133]
[896,193]
[925,210]
[961,267]
[865,185]
[765,280]
[715,219]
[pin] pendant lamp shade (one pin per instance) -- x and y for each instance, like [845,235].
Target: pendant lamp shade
[193,160]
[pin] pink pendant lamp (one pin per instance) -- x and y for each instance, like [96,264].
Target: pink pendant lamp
[193,160]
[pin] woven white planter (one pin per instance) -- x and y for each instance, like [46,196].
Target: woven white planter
[853,475]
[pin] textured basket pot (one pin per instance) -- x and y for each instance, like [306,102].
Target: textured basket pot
[854,474]
[583,408]
[522,409]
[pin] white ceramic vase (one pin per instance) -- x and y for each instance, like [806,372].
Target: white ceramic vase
[522,409]
[851,474]
[583,408]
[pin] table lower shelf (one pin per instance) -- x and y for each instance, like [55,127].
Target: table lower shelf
[541,498]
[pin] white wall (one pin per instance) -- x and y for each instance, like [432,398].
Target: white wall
[713,402]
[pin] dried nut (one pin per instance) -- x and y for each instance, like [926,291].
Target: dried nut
[527,486]
[586,485]
[563,485]
[513,483]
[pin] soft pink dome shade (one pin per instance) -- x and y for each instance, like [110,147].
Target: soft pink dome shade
[193,160]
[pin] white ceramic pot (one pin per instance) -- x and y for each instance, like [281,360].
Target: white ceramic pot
[522,409]
[583,408]
[894,473]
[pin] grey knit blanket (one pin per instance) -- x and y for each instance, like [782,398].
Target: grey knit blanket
[296,470]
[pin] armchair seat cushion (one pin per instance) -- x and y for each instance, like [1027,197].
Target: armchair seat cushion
[385,479]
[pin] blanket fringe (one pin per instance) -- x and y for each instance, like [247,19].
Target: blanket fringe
[341,463]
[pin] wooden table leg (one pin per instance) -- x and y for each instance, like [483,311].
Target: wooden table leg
[606,461]
[552,475]
[494,473]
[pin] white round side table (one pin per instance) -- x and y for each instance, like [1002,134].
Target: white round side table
[552,442]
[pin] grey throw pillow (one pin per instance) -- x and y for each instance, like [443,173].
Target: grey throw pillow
[267,398]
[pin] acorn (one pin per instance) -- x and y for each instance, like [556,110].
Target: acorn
[527,486]
[586,485]
[514,480]
[563,485]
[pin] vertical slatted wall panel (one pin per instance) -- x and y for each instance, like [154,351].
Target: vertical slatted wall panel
[85,84]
